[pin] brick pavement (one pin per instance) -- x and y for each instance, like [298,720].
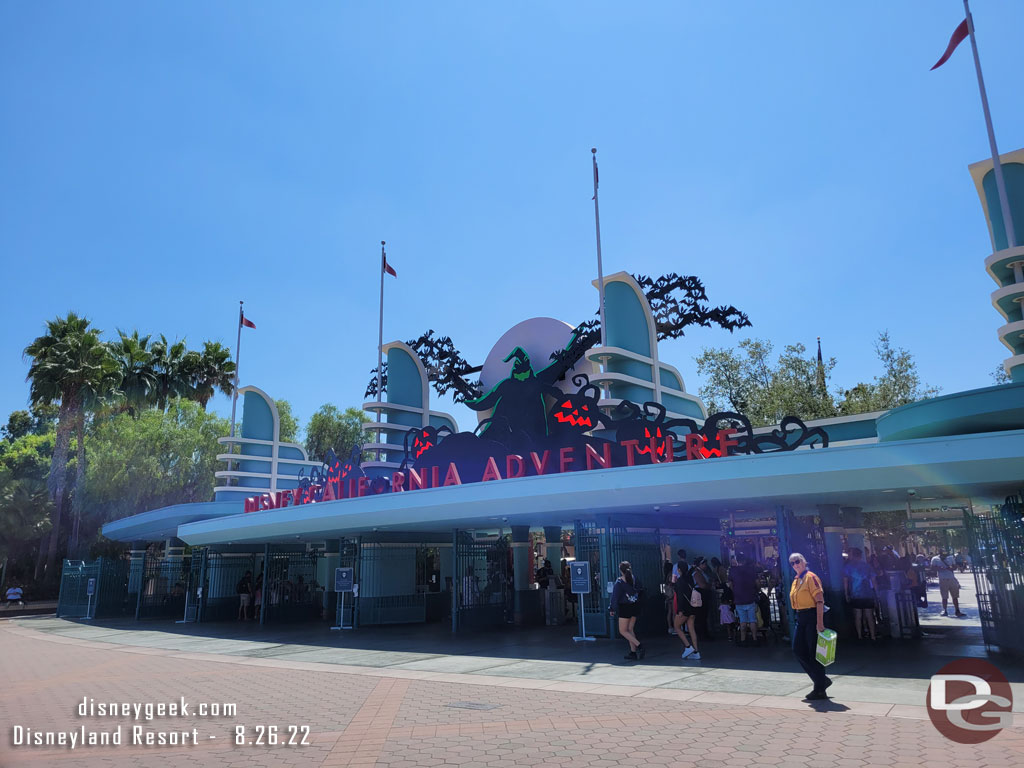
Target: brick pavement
[405,718]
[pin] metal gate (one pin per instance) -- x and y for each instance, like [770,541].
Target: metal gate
[642,549]
[164,584]
[110,590]
[194,587]
[345,611]
[591,545]
[219,574]
[387,586]
[481,592]
[290,591]
[997,553]
[801,534]
[73,602]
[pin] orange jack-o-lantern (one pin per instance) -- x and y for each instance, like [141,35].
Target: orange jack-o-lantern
[653,432]
[421,444]
[342,469]
[419,441]
[575,412]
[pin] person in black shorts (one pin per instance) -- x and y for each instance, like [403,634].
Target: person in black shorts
[686,613]
[625,604]
[859,588]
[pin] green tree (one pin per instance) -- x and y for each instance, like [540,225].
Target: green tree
[155,460]
[19,424]
[26,460]
[330,427]
[898,385]
[138,376]
[215,372]
[889,526]
[72,367]
[28,456]
[25,510]
[289,424]
[748,381]
[1000,376]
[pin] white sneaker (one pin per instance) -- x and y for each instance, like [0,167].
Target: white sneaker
[690,652]
[671,632]
[696,657]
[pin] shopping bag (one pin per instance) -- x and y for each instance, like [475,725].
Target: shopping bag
[825,652]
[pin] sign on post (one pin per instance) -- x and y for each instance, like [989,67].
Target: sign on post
[344,579]
[90,590]
[579,584]
[579,577]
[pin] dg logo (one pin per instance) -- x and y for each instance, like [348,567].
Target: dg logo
[970,701]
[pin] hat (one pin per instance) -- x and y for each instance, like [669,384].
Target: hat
[700,561]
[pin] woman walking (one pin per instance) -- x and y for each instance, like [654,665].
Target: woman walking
[686,613]
[808,601]
[625,604]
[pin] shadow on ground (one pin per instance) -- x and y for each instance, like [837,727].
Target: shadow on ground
[493,651]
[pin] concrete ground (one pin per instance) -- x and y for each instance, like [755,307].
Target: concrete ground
[409,696]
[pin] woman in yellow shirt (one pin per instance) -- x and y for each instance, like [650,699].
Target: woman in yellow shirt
[808,601]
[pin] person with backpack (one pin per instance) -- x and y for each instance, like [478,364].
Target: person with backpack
[688,602]
[244,589]
[702,578]
[625,604]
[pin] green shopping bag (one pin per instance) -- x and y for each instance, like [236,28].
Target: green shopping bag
[825,652]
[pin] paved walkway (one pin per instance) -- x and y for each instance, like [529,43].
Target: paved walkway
[889,677]
[403,716]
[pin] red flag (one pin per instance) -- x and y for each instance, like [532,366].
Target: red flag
[388,268]
[958,37]
[247,322]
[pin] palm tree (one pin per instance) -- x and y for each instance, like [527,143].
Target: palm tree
[216,371]
[24,506]
[138,378]
[70,365]
[172,364]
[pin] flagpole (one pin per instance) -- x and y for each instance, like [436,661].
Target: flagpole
[600,268]
[380,341]
[238,355]
[1004,204]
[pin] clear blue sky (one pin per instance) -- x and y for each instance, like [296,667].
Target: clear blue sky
[159,162]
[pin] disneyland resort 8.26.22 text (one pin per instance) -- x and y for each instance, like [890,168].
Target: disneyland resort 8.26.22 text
[144,735]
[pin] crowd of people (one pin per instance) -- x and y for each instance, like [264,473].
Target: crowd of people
[740,601]
[700,593]
[250,593]
[699,596]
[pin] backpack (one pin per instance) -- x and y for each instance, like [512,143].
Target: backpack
[687,583]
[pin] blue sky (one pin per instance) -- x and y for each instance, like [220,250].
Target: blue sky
[159,162]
